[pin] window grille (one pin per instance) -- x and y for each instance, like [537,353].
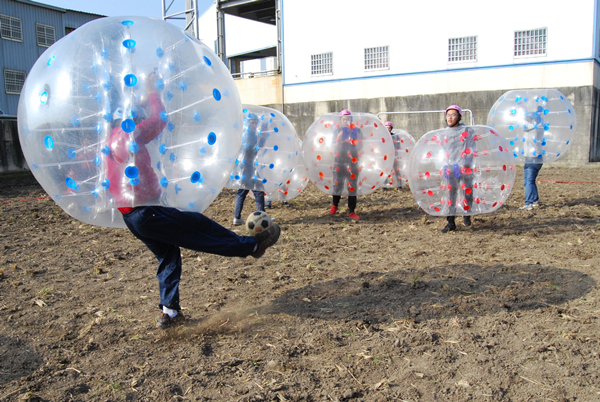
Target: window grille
[462,49]
[13,81]
[45,35]
[321,63]
[531,43]
[377,58]
[11,28]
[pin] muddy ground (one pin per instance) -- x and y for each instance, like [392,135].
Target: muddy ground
[384,309]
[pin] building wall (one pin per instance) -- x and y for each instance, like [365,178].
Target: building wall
[417,34]
[21,56]
[264,90]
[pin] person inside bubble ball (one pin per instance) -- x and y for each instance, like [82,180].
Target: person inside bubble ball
[397,146]
[533,121]
[459,145]
[252,140]
[345,171]
[162,229]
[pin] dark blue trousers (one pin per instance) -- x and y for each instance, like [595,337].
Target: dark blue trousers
[530,174]
[164,230]
[259,198]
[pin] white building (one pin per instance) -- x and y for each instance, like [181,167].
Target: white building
[393,55]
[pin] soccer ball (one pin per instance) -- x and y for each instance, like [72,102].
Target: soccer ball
[257,222]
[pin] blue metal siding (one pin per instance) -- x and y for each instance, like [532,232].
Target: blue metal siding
[21,56]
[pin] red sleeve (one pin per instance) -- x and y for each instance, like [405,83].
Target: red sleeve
[152,126]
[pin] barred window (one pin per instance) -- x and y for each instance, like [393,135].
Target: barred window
[45,35]
[531,43]
[13,81]
[377,58]
[462,49]
[321,64]
[11,28]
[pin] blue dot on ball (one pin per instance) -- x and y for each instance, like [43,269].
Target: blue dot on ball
[130,80]
[48,142]
[129,43]
[212,138]
[216,94]
[128,125]
[207,60]
[127,23]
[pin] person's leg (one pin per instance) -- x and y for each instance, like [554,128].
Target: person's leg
[259,198]
[194,231]
[239,203]
[352,200]
[536,195]
[530,173]
[168,256]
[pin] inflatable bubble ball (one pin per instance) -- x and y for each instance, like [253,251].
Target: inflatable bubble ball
[467,170]
[295,184]
[257,222]
[540,124]
[129,111]
[268,153]
[348,155]
[403,145]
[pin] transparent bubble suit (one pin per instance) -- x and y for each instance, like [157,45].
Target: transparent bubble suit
[353,159]
[295,184]
[403,145]
[467,170]
[268,153]
[540,124]
[108,76]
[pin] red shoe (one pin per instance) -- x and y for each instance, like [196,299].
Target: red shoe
[333,210]
[354,216]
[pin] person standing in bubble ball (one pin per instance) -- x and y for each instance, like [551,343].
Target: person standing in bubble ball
[162,229]
[459,146]
[533,121]
[345,171]
[252,141]
[390,126]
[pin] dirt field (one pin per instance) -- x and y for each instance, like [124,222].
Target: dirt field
[386,309]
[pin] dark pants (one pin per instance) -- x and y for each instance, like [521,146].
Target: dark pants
[351,202]
[163,230]
[259,197]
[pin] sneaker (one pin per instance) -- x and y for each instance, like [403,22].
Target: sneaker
[354,216]
[527,207]
[535,204]
[286,204]
[238,221]
[266,239]
[268,205]
[467,220]
[449,228]
[273,219]
[333,210]
[165,322]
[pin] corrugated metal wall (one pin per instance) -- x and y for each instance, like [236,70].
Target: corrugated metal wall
[20,56]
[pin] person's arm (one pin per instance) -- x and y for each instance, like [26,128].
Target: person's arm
[153,125]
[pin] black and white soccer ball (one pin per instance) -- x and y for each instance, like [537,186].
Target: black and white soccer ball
[257,222]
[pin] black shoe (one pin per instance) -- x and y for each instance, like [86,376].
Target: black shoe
[268,206]
[449,228]
[467,220]
[165,322]
[266,239]
[286,204]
